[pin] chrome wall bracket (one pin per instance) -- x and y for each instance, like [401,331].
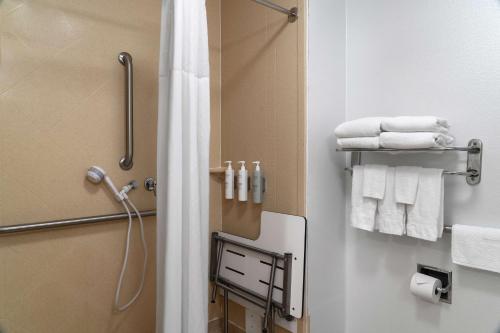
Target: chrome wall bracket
[293,15]
[474,161]
[150,185]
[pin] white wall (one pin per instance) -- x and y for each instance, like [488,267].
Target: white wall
[325,177]
[419,57]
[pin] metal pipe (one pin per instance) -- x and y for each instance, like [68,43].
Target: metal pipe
[240,294]
[468,149]
[292,13]
[239,291]
[126,162]
[226,311]
[471,173]
[287,282]
[269,300]
[249,247]
[219,261]
[10,229]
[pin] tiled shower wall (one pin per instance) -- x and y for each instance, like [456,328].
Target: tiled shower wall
[62,110]
[257,71]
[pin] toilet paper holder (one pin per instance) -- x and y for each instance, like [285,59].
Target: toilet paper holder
[444,275]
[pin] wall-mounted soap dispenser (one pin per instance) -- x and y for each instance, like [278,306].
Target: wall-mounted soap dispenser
[229,181]
[242,182]
[257,183]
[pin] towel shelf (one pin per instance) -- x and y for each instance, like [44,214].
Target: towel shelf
[474,158]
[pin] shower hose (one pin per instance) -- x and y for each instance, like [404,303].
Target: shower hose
[126,203]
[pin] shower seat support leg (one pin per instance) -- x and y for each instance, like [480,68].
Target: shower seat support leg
[226,311]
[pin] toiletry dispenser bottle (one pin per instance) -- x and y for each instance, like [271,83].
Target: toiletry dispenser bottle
[257,183]
[229,181]
[242,182]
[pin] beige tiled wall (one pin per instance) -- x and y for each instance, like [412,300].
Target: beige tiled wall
[62,110]
[261,112]
[263,107]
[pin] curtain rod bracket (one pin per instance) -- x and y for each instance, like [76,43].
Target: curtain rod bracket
[293,15]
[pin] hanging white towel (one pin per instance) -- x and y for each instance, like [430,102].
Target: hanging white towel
[425,217]
[476,247]
[415,124]
[368,142]
[362,209]
[374,178]
[400,140]
[390,217]
[359,128]
[406,184]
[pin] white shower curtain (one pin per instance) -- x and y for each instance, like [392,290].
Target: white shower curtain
[182,168]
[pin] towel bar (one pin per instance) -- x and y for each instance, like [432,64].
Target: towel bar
[474,158]
[472,173]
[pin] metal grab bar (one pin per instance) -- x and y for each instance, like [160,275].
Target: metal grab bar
[10,229]
[126,162]
[292,13]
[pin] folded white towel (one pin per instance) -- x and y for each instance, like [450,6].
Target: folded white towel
[406,184]
[362,209]
[400,140]
[476,247]
[415,124]
[360,127]
[374,181]
[368,142]
[425,217]
[390,217]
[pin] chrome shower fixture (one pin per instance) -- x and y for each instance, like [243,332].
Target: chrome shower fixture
[97,174]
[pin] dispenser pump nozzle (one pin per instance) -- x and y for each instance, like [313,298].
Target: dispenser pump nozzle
[229,165]
[257,165]
[242,165]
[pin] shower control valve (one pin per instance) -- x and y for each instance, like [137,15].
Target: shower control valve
[150,185]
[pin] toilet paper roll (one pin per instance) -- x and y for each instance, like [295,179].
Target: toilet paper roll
[425,287]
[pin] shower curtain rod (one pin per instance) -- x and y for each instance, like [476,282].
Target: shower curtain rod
[293,13]
[10,229]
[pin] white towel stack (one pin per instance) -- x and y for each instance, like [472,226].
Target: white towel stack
[394,132]
[398,200]
[359,133]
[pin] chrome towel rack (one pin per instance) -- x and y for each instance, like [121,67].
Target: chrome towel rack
[474,151]
[126,162]
[46,225]
[293,13]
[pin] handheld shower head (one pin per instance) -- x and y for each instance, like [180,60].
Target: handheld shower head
[97,174]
